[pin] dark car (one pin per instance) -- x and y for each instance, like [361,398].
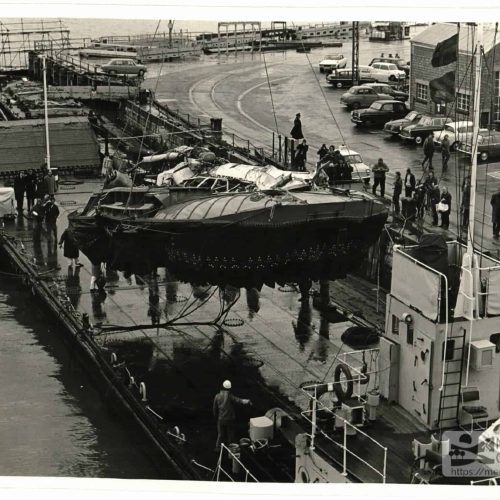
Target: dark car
[398,61]
[361,97]
[417,132]
[379,112]
[394,127]
[342,78]
[488,146]
[385,88]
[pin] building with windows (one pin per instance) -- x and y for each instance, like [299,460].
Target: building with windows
[422,72]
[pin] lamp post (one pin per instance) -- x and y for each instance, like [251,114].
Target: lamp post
[43,57]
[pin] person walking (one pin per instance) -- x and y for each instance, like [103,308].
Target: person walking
[434,198]
[428,151]
[445,152]
[495,213]
[19,190]
[429,183]
[296,131]
[398,188]
[419,197]
[379,170]
[51,215]
[445,214]
[30,187]
[223,410]
[409,183]
[301,156]
[70,248]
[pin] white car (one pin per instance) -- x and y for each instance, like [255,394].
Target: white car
[387,72]
[361,171]
[457,132]
[332,62]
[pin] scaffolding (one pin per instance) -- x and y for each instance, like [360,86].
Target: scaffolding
[18,38]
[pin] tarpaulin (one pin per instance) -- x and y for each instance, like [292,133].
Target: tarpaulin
[6,201]
[415,285]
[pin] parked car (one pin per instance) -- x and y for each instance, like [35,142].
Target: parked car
[488,146]
[379,113]
[343,77]
[398,61]
[457,132]
[124,67]
[361,171]
[331,62]
[387,72]
[394,126]
[361,96]
[417,132]
[385,88]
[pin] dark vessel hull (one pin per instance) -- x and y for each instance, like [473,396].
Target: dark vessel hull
[277,244]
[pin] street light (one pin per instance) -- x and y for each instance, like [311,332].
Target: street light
[43,58]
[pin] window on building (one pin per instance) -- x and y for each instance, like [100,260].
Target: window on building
[463,102]
[421,92]
[395,324]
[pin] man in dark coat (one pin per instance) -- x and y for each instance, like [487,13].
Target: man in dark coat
[296,131]
[38,214]
[50,185]
[434,198]
[19,189]
[51,215]
[30,186]
[419,197]
[379,170]
[428,151]
[445,216]
[223,410]
[445,152]
[70,249]
[409,183]
[398,187]
[301,156]
[322,151]
[495,213]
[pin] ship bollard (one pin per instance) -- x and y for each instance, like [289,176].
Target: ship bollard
[372,402]
[142,391]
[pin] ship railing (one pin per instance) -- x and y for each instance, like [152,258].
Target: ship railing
[381,471]
[490,481]
[236,463]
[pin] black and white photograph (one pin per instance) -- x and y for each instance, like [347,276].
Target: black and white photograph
[245,250]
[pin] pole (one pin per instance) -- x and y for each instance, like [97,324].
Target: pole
[47,141]
[475,133]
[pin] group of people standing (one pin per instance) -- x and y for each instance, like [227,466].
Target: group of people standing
[300,158]
[34,186]
[332,166]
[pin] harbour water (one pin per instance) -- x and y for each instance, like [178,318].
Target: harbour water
[53,422]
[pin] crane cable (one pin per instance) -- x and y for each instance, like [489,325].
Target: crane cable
[270,93]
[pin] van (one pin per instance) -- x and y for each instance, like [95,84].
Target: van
[387,72]
[342,78]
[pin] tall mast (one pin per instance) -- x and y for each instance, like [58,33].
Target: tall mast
[475,133]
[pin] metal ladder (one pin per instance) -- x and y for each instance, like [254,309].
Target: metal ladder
[449,399]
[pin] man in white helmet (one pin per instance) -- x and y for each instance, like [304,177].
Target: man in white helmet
[225,415]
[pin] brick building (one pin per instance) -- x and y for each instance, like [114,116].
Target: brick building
[422,48]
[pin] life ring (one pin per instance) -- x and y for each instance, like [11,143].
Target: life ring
[342,395]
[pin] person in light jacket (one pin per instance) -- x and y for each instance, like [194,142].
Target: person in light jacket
[223,409]
[445,216]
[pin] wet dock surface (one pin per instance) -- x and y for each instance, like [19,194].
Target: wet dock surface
[268,344]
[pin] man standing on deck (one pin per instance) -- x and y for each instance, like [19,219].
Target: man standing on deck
[495,213]
[224,413]
[445,152]
[398,187]
[379,170]
[409,183]
[19,189]
[38,214]
[50,186]
[428,151]
[51,215]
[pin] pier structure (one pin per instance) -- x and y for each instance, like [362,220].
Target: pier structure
[245,37]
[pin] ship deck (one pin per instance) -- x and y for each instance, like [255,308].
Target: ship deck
[269,344]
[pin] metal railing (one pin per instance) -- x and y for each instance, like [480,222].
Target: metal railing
[233,458]
[491,481]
